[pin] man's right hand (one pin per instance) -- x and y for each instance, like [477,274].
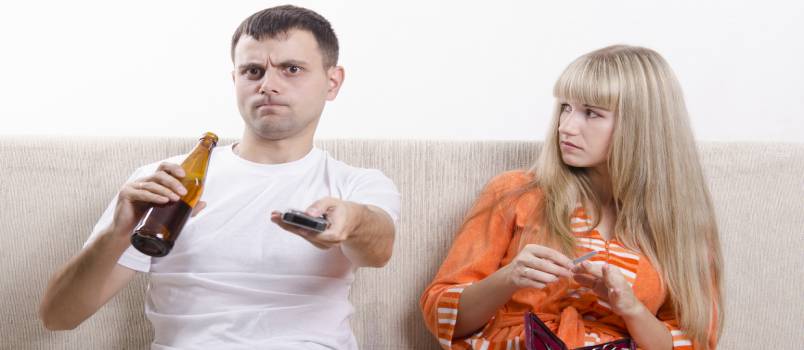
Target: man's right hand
[137,196]
[91,278]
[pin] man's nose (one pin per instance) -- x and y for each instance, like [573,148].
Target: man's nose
[270,82]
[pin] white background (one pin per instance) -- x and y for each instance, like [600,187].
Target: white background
[415,69]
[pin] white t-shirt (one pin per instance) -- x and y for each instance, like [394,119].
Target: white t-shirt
[234,279]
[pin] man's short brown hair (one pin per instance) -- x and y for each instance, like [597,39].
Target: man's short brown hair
[281,19]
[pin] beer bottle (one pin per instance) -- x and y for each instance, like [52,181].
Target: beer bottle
[161,225]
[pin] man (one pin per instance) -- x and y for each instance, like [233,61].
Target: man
[236,278]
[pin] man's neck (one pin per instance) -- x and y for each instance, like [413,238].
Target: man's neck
[256,149]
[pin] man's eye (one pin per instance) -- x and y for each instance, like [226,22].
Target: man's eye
[254,72]
[294,69]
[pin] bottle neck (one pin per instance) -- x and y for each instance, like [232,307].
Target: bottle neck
[207,143]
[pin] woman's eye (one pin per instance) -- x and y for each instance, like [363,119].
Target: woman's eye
[566,108]
[593,114]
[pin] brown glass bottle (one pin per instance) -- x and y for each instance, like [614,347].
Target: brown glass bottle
[161,225]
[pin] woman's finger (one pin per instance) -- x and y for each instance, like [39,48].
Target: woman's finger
[613,277]
[532,284]
[550,254]
[585,280]
[589,268]
[538,276]
[546,266]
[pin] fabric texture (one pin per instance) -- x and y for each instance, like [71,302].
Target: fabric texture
[54,188]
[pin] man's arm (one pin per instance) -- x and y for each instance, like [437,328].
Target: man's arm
[86,283]
[371,242]
[90,279]
[365,232]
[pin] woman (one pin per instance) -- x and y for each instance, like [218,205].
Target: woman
[619,174]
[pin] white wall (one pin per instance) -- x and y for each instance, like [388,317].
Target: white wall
[415,69]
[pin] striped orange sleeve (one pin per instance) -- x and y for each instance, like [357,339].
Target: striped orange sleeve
[680,339]
[447,315]
[476,253]
[666,314]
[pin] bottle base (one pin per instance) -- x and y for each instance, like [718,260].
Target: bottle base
[150,245]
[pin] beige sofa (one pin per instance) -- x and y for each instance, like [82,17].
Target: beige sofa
[55,188]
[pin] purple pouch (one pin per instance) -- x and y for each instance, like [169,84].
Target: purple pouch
[539,337]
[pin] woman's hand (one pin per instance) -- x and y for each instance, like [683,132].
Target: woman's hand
[536,266]
[610,285]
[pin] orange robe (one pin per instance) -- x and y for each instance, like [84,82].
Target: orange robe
[490,241]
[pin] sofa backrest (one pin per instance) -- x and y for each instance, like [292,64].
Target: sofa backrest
[54,190]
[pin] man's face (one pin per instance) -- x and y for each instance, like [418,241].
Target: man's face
[281,84]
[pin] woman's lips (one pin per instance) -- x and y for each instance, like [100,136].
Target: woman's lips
[569,146]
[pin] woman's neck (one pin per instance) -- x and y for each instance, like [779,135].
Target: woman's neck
[601,184]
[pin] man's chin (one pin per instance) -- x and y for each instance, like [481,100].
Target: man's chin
[275,134]
[275,127]
[274,131]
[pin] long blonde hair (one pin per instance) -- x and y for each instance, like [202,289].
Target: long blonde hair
[663,205]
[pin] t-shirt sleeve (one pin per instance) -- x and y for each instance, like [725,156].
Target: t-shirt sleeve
[131,258]
[372,187]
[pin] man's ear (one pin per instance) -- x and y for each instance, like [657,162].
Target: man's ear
[335,74]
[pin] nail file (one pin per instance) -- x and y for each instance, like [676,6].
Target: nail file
[584,257]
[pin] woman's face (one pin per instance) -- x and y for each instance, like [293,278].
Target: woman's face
[584,134]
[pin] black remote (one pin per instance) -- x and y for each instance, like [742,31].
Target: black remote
[300,219]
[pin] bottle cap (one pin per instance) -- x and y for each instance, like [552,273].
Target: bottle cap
[211,136]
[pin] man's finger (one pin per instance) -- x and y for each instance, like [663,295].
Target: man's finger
[141,195]
[276,218]
[172,168]
[321,206]
[198,207]
[157,188]
[169,182]
[310,236]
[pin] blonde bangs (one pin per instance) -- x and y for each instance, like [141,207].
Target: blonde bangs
[589,80]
